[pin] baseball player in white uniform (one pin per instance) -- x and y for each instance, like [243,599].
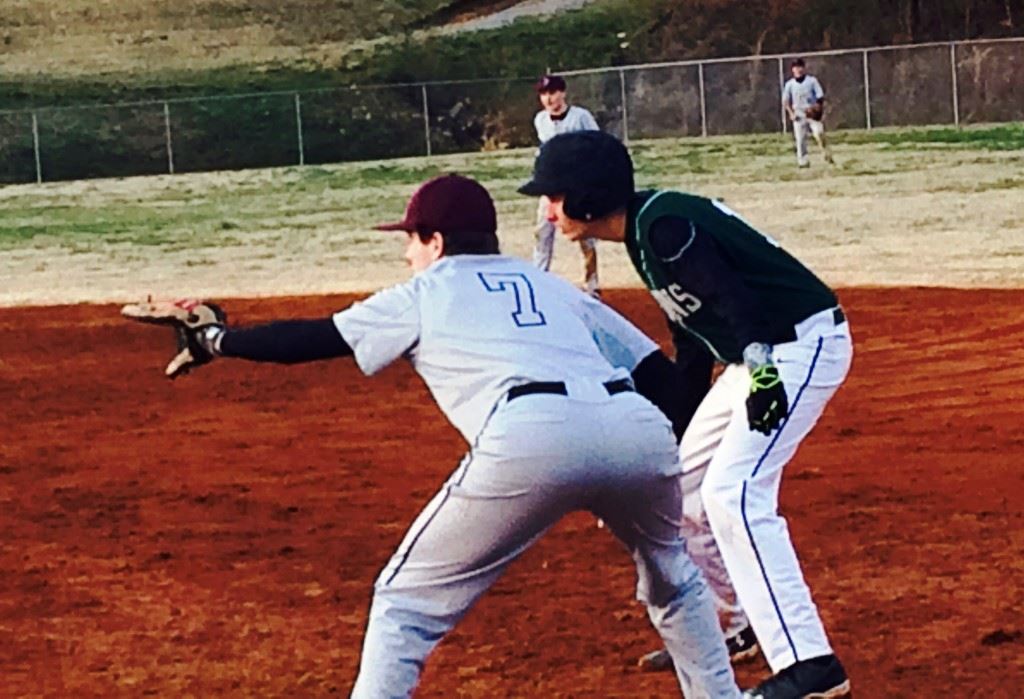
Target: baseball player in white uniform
[536,375]
[557,117]
[804,101]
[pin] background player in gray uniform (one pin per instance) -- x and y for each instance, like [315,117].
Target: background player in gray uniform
[731,295]
[536,376]
[557,117]
[804,101]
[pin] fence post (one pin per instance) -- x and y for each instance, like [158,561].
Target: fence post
[426,119]
[167,138]
[298,129]
[782,86]
[625,108]
[703,104]
[956,85]
[867,92]
[35,147]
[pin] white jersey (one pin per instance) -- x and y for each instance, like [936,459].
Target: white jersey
[576,119]
[475,326]
[803,94]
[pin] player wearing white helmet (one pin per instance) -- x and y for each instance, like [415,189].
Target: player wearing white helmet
[557,117]
[804,101]
[536,376]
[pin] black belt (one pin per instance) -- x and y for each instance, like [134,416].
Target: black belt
[789,335]
[558,388]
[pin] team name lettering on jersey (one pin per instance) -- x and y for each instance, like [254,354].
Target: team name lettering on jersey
[677,303]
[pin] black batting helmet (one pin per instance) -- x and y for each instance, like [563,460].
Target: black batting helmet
[591,169]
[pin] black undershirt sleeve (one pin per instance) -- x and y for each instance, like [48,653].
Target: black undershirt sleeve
[694,361]
[286,342]
[693,256]
[676,390]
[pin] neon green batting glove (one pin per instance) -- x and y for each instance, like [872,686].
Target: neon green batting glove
[767,404]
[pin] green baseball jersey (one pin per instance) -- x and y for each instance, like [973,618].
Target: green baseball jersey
[720,281]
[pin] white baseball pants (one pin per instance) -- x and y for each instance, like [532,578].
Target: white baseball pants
[802,128]
[538,458]
[731,480]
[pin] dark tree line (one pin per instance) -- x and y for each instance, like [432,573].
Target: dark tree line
[685,28]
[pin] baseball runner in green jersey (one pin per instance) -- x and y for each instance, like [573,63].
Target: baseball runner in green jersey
[731,295]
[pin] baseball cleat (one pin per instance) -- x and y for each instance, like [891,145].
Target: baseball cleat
[742,647]
[655,661]
[817,678]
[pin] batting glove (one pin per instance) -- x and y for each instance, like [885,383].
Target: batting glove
[767,405]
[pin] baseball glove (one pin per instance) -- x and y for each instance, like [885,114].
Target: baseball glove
[197,328]
[815,112]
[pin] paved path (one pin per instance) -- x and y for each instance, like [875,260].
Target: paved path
[529,8]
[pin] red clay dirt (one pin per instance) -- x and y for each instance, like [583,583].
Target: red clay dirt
[219,535]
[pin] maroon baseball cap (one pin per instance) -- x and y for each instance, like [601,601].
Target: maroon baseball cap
[450,204]
[550,83]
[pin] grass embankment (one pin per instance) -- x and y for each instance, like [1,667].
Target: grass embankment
[341,125]
[156,53]
[148,49]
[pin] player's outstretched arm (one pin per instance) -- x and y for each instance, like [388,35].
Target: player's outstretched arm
[201,333]
[284,342]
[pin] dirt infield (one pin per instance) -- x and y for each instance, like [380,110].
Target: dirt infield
[219,535]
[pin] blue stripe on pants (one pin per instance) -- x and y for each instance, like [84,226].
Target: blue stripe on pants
[743,499]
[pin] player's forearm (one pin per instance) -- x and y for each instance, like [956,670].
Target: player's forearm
[283,342]
[676,390]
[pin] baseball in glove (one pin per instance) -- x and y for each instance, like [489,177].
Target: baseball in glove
[197,327]
[815,112]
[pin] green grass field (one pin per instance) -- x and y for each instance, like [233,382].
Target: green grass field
[912,206]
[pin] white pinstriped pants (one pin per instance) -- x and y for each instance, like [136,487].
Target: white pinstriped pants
[802,129]
[731,482]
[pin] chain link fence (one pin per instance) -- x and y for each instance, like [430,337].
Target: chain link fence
[949,83]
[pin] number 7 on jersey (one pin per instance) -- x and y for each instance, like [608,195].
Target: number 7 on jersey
[526,314]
